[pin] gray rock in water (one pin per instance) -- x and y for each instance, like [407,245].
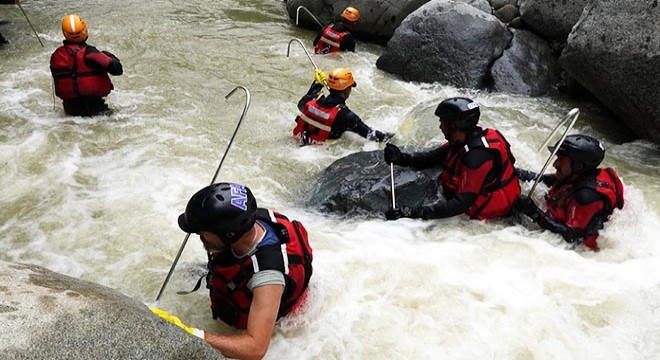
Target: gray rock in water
[359,184]
[527,67]
[614,52]
[446,41]
[552,19]
[46,315]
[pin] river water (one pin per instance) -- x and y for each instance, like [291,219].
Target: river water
[97,198]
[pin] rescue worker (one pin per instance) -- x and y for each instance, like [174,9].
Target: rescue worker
[80,71]
[325,118]
[337,37]
[479,176]
[259,262]
[581,196]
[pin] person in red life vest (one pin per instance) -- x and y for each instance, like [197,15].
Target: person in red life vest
[337,37]
[325,118]
[259,262]
[80,71]
[479,177]
[581,196]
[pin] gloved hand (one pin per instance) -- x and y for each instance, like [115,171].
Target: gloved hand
[524,175]
[526,206]
[320,77]
[383,136]
[397,213]
[176,321]
[393,155]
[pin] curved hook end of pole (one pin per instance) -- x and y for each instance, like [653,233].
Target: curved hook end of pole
[247,92]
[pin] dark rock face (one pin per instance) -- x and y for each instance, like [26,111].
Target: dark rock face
[359,184]
[614,52]
[46,315]
[527,67]
[446,41]
[551,19]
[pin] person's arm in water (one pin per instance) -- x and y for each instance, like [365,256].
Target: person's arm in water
[347,120]
[253,344]
[585,215]
[103,60]
[526,175]
[348,43]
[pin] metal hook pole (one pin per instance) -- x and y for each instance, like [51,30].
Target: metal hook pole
[29,23]
[310,14]
[288,50]
[571,115]
[392,185]
[185,240]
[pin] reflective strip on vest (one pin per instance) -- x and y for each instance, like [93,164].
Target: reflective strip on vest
[285,257]
[329,42]
[315,123]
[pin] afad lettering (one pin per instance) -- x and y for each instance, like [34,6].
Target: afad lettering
[238,196]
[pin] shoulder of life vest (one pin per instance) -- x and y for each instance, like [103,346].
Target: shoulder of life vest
[608,185]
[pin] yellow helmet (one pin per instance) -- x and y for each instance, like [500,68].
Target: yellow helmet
[351,14]
[340,79]
[74,28]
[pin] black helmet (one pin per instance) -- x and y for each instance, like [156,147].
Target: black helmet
[225,209]
[462,113]
[583,149]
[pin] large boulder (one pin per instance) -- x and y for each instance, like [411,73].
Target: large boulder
[446,41]
[46,315]
[378,18]
[614,52]
[527,66]
[359,184]
[551,19]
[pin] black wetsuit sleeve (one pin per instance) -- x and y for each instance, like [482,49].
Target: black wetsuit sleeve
[348,43]
[312,93]
[459,204]
[546,222]
[348,121]
[526,175]
[428,159]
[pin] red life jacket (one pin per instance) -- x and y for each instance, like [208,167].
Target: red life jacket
[499,191]
[606,183]
[227,278]
[73,78]
[330,41]
[314,124]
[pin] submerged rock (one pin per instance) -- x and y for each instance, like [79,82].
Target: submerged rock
[359,184]
[46,315]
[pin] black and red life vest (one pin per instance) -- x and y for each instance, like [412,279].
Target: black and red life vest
[606,183]
[73,78]
[228,277]
[330,41]
[314,124]
[499,192]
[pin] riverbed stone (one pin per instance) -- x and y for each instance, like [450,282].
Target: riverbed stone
[527,66]
[46,315]
[551,19]
[446,41]
[614,52]
[360,184]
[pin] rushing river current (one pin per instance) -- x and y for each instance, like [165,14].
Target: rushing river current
[98,198]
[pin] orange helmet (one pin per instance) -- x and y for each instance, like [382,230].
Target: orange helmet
[74,28]
[340,79]
[351,14]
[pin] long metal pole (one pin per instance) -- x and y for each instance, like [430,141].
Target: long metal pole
[18,2]
[310,14]
[185,240]
[571,115]
[392,185]
[288,50]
